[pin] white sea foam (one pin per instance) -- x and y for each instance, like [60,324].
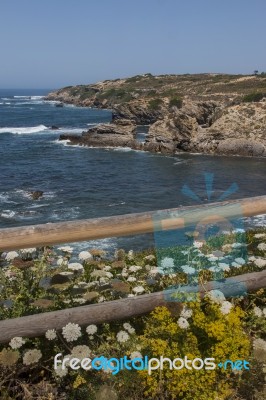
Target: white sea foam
[24,103]
[3,198]
[24,130]
[257,221]
[71,130]
[8,214]
[29,97]
[117,204]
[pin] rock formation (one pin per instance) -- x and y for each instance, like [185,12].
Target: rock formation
[208,113]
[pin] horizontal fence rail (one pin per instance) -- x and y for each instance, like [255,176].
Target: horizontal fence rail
[125,225]
[38,324]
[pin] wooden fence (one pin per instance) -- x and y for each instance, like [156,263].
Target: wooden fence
[123,225]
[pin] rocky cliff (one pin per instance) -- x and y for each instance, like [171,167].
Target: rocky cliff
[209,113]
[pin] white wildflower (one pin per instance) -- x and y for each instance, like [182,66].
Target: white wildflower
[101,299]
[107,268]
[167,262]
[124,274]
[76,267]
[85,255]
[129,328]
[226,307]
[240,261]
[150,257]
[50,334]
[79,300]
[122,336]
[216,296]
[260,235]
[134,268]
[81,352]
[237,245]
[138,289]
[188,270]
[262,246]
[198,244]
[215,268]
[131,279]
[91,329]
[71,332]
[260,262]
[257,311]
[224,266]
[60,261]
[32,357]
[182,323]
[213,258]
[28,251]
[154,271]
[126,325]
[259,344]
[110,369]
[16,342]
[186,312]
[60,371]
[109,275]
[236,265]
[11,255]
[264,311]
[66,249]
[130,255]
[135,354]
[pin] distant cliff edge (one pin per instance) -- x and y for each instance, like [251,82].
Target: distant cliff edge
[206,113]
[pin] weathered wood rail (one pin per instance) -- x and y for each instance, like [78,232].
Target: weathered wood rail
[38,324]
[123,225]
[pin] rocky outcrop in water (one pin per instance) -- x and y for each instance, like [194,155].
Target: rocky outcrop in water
[208,113]
[120,133]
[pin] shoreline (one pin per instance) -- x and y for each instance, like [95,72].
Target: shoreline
[225,118]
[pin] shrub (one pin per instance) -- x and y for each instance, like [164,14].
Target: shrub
[155,104]
[175,102]
[253,97]
[210,333]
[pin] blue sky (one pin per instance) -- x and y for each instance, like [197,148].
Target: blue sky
[55,43]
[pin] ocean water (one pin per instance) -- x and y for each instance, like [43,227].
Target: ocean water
[81,182]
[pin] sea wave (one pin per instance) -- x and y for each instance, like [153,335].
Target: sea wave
[7,214]
[29,97]
[24,130]
[3,198]
[24,103]
[256,221]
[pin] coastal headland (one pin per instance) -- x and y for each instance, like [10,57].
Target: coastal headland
[202,113]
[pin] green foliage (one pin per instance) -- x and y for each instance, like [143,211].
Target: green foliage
[175,102]
[115,95]
[210,332]
[253,97]
[155,104]
[25,280]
